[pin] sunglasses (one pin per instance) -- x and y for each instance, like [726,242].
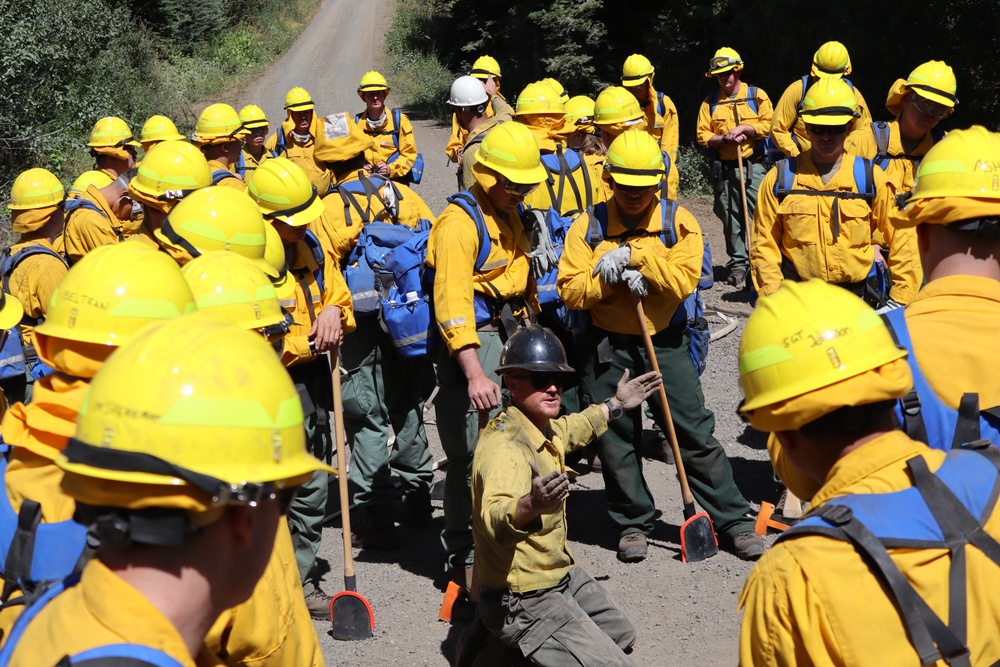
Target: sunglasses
[639,189]
[826,130]
[929,107]
[542,381]
[517,189]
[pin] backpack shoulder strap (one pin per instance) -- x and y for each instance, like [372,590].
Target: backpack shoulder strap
[661,107]
[668,215]
[220,175]
[784,177]
[120,655]
[468,203]
[279,142]
[805,87]
[864,178]
[713,101]
[880,130]
[357,117]
[397,121]
[752,92]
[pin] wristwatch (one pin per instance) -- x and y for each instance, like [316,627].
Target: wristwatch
[614,410]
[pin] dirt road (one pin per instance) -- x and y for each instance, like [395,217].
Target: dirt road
[684,614]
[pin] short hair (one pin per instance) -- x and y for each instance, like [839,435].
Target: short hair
[852,421]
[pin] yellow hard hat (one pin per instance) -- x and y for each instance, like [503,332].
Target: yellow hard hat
[580,112]
[111,132]
[194,414]
[956,180]
[11,311]
[636,70]
[539,98]
[810,336]
[634,158]
[159,128]
[282,191]
[299,99]
[217,124]
[831,60]
[563,96]
[35,188]
[935,81]
[616,105]
[511,151]
[230,286]
[98,179]
[724,60]
[252,117]
[829,101]
[342,139]
[372,81]
[217,218]
[113,292]
[274,254]
[170,171]
[484,67]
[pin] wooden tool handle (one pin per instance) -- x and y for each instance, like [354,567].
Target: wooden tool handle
[345,503]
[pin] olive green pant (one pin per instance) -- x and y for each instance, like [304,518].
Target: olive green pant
[305,515]
[458,427]
[381,390]
[709,473]
[729,208]
[574,623]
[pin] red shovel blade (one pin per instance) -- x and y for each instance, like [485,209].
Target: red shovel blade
[352,617]
[698,540]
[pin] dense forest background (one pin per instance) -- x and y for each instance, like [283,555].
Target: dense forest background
[583,44]
[131,58]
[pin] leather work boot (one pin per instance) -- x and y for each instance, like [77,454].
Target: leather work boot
[377,530]
[318,604]
[632,548]
[748,546]
[418,509]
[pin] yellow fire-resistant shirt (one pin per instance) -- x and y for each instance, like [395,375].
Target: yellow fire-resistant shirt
[666,128]
[34,280]
[384,148]
[99,611]
[451,251]
[309,300]
[301,154]
[502,114]
[949,322]
[273,628]
[812,600]
[250,163]
[788,130]
[87,229]
[538,556]
[730,112]
[899,175]
[459,135]
[801,229]
[672,273]
[236,183]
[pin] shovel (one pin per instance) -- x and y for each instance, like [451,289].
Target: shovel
[350,612]
[698,540]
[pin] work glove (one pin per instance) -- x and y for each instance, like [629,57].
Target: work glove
[631,393]
[543,255]
[636,282]
[612,263]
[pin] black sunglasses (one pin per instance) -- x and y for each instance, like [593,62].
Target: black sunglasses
[542,381]
[827,130]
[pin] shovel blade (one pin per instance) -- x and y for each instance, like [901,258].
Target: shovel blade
[698,540]
[352,617]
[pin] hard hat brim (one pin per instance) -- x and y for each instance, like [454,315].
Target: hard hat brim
[828,119]
[11,312]
[530,176]
[305,216]
[635,80]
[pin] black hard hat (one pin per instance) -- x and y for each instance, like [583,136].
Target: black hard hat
[536,349]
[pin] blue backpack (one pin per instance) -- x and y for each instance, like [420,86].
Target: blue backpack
[691,312]
[567,204]
[15,357]
[945,510]
[416,172]
[924,417]
[406,309]
[32,552]
[117,655]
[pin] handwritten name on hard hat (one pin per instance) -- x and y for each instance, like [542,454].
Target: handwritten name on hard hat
[817,338]
[84,300]
[121,410]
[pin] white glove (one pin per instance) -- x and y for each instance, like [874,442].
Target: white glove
[636,282]
[543,255]
[612,263]
[889,305]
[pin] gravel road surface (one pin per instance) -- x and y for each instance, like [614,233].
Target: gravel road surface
[684,614]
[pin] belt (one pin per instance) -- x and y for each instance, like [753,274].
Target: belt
[526,594]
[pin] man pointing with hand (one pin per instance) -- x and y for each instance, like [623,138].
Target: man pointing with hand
[532,595]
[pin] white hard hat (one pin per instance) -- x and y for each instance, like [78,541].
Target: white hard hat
[468,91]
